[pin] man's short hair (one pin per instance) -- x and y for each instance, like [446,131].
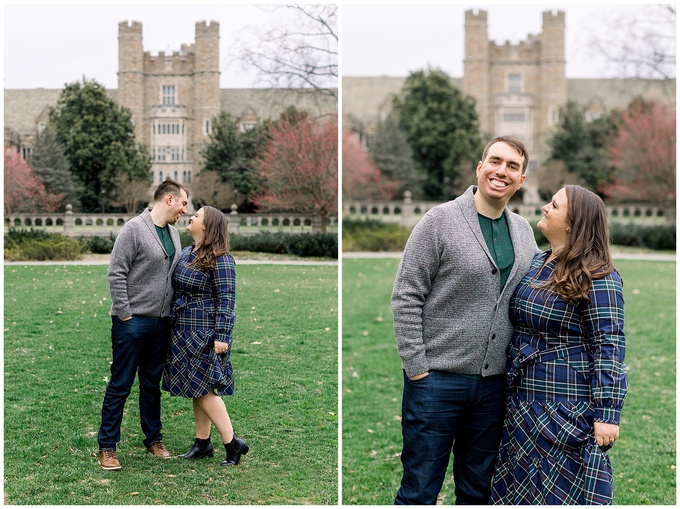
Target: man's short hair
[169,186]
[514,143]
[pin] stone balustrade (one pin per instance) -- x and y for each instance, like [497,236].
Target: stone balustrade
[407,212]
[80,224]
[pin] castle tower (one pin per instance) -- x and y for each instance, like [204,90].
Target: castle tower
[553,81]
[519,88]
[131,73]
[173,98]
[206,81]
[476,66]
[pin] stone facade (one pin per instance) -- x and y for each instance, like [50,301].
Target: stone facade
[173,97]
[518,88]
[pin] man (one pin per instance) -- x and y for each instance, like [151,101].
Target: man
[450,301]
[143,258]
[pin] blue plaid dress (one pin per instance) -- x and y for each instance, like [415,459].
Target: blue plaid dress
[566,371]
[202,313]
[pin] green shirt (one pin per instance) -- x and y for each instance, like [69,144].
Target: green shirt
[497,237]
[166,240]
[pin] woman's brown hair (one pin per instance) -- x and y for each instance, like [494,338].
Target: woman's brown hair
[586,255]
[216,240]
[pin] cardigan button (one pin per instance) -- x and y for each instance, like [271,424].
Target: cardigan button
[494,271]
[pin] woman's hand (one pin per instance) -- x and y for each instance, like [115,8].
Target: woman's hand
[221,347]
[605,433]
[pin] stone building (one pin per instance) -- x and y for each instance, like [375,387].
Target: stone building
[518,89]
[173,98]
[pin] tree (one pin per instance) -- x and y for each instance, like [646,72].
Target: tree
[24,192]
[302,52]
[299,168]
[361,178]
[393,156]
[639,41]
[51,166]
[209,189]
[233,155]
[582,146]
[442,127]
[643,154]
[98,139]
[129,193]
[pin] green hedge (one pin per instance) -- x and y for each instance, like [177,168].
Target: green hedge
[372,235]
[322,245]
[24,245]
[652,237]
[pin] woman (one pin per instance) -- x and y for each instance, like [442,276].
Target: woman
[198,364]
[567,380]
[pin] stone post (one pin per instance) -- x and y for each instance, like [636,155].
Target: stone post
[407,209]
[69,221]
[233,219]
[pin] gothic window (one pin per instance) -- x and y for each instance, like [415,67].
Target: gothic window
[514,115]
[247,126]
[514,83]
[168,96]
[206,126]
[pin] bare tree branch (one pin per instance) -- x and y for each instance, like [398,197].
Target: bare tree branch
[640,41]
[301,52]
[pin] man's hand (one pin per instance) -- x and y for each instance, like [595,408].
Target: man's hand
[419,377]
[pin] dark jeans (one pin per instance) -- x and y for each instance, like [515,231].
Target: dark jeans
[444,412]
[140,346]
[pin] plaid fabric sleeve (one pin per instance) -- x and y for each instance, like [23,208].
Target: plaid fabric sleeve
[603,320]
[224,290]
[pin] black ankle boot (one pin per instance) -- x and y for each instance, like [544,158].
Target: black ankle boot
[235,449]
[202,448]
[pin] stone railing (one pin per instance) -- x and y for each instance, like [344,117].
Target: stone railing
[77,224]
[407,212]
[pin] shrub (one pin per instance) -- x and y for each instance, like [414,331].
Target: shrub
[301,244]
[99,245]
[652,237]
[324,245]
[53,247]
[372,235]
[15,237]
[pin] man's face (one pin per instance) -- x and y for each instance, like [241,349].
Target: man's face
[178,206]
[499,176]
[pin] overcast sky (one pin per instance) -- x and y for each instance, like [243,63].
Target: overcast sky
[396,39]
[50,45]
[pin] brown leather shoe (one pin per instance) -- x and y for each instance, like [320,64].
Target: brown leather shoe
[158,449]
[108,460]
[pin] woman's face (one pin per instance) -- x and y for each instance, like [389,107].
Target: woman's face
[554,222]
[196,227]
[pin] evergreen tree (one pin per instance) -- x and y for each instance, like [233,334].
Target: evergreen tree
[51,166]
[393,156]
[233,154]
[442,127]
[98,139]
[583,146]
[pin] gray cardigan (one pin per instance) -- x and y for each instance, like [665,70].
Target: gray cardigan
[140,275]
[449,311]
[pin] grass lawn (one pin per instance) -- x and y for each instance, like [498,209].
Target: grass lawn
[57,355]
[644,458]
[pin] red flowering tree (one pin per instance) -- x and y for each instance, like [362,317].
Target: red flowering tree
[299,168]
[643,153]
[24,192]
[361,178]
